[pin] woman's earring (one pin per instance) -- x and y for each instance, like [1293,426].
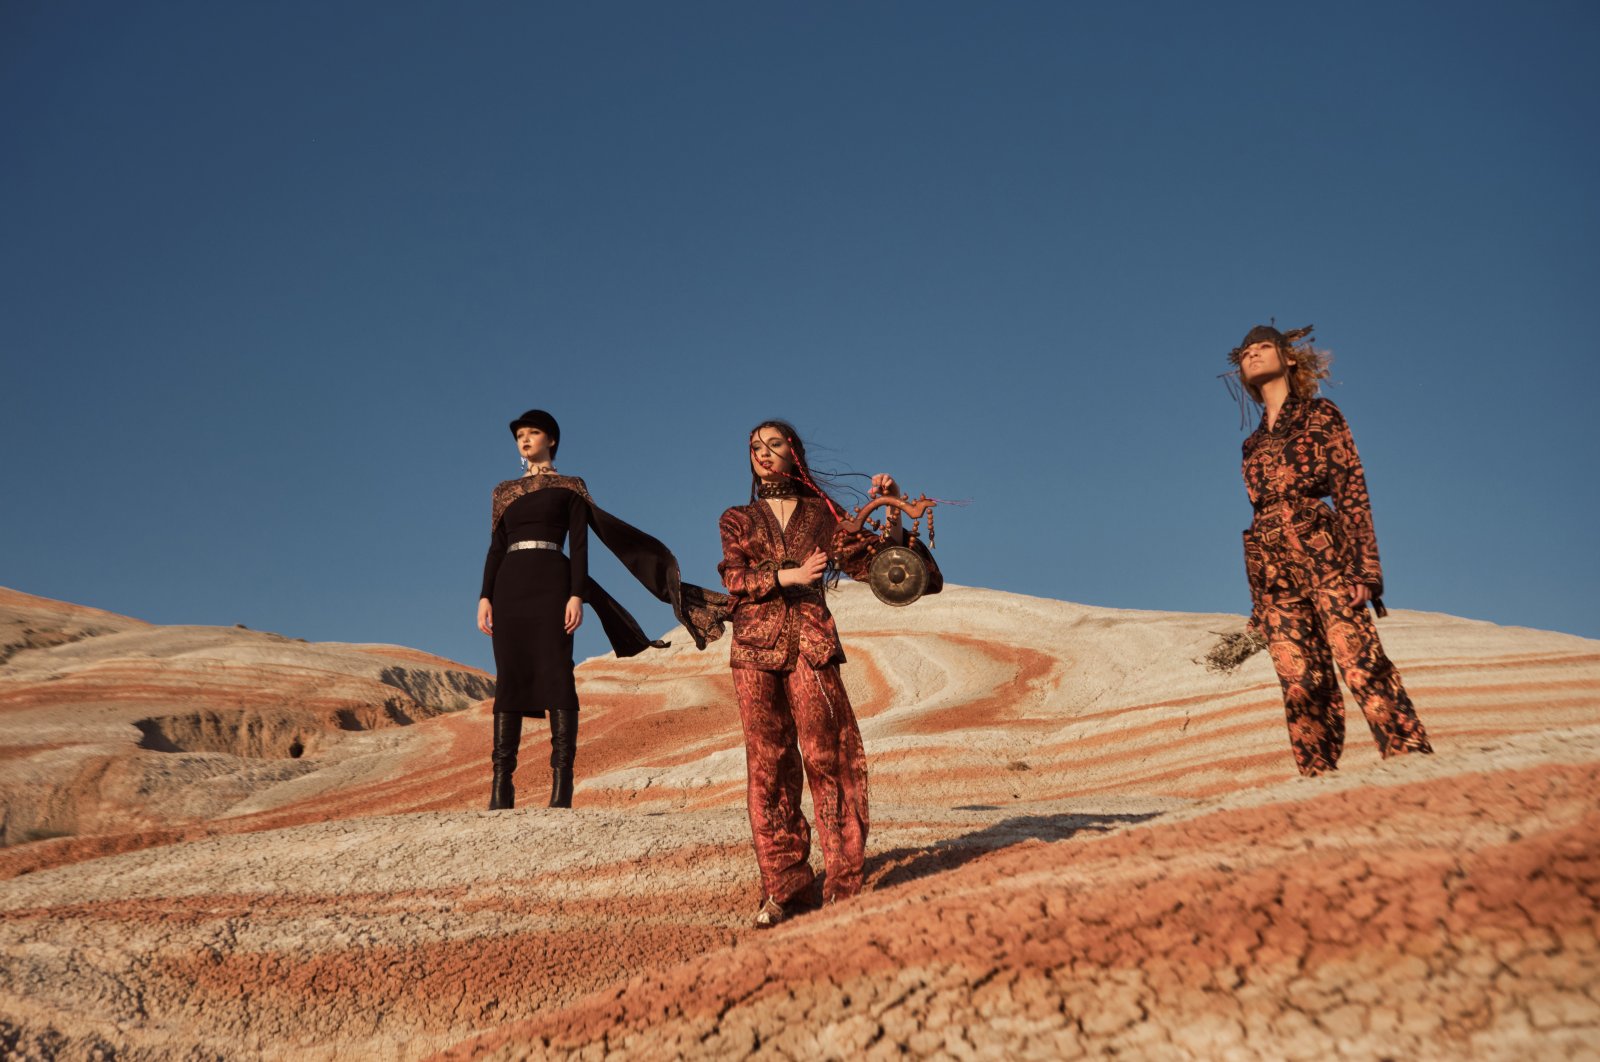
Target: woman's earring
[525,463]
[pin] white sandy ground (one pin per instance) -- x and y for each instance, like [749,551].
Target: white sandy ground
[995,724]
[81,945]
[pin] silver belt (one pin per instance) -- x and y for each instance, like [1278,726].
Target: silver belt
[534,543]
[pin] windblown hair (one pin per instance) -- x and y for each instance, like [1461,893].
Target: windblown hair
[830,486]
[805,481]
[1310,364]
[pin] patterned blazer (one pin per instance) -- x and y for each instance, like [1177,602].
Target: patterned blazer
[1297,541]
[773,625]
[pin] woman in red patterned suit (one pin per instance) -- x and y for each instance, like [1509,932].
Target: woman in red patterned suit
[1314,569]
[776,552]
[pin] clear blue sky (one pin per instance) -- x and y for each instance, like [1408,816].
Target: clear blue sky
[274,277]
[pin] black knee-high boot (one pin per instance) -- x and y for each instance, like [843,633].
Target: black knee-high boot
[563,751]
[507,736]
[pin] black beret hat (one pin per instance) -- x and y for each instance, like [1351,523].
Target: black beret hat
[1268,334]
[1262,334]
[538,418]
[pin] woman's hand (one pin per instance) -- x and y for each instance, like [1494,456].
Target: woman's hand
[810,570]
[574,617]
[1360,594]
[883,485]
[485,616]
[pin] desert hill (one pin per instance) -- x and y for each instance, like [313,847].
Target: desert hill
[110,725]
[223,843]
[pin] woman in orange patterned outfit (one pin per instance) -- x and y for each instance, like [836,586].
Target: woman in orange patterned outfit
[776,552]
[1314,569]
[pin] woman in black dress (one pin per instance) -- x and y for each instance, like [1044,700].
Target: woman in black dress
[533,596]
[532,602]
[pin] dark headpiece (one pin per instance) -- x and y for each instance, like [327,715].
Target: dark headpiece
[538,418]
[1268,334]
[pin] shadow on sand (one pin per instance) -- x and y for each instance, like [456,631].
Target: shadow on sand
[900,865]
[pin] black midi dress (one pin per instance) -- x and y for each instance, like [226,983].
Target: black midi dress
[529,589]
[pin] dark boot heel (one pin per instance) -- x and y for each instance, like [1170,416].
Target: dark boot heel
[502,794]
[561,787]
[563,751]
[507,737]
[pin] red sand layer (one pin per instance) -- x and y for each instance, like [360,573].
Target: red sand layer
[1422,918]
[16,600]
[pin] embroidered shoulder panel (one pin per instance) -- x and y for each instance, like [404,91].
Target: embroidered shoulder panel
[512,489]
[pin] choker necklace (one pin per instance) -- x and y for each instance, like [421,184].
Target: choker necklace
[781,489]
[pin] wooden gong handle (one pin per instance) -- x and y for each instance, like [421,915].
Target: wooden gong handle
[914,509]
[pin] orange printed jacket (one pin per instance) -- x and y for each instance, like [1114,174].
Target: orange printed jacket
[1296,541]
[772,625]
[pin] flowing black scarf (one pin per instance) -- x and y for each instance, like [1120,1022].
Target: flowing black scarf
[701,611]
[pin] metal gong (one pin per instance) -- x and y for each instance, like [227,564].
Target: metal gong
[898,576]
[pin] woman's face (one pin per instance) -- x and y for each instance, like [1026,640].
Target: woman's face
[770,456]
[1261,362]
[533,445]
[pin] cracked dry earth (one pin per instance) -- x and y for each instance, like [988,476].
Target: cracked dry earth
[1084,845]
[1432,917]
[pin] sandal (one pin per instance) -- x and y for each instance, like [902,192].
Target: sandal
[770,913]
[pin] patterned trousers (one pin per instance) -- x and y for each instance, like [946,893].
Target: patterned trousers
[1307,632]
[795,719]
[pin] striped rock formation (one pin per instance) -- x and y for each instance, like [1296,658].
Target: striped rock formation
[109,725]
[1083,843]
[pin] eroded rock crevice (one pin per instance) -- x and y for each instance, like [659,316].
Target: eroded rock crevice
[33,638]
[450,691]
[286,733]
[255,735]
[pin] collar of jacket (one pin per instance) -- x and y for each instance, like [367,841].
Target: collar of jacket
[1288,413]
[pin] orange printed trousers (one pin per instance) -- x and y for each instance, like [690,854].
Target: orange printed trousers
[796,721]
[1307,632]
